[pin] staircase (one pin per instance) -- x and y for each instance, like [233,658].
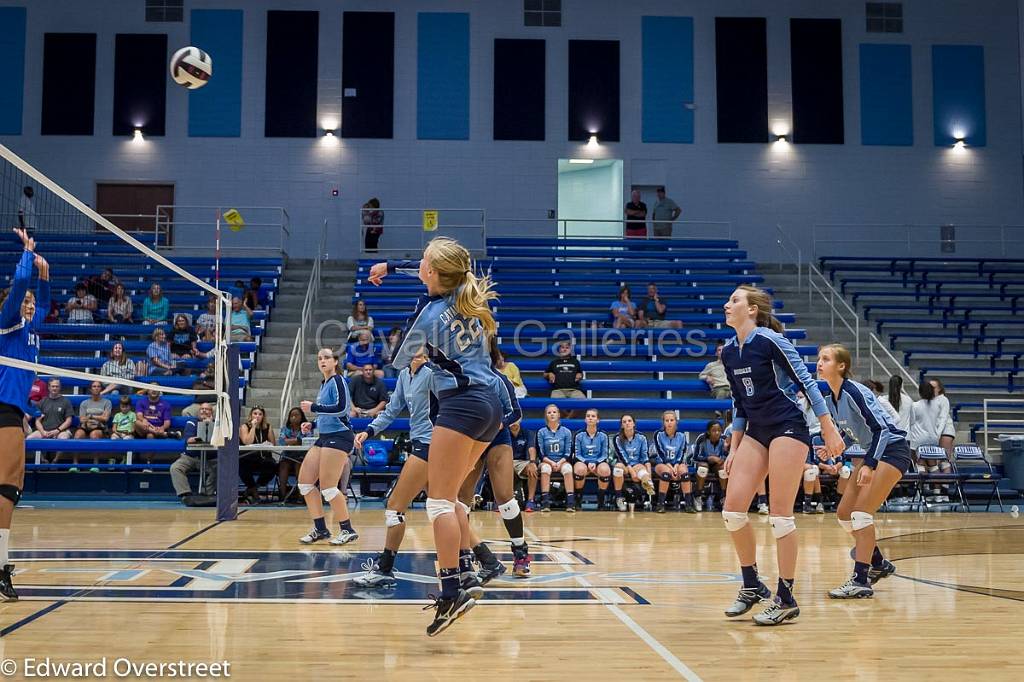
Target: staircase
[337,280]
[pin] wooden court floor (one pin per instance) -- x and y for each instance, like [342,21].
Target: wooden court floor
[613,597]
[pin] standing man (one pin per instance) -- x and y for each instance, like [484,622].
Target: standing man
[27,210]
[636,216]
[665,213]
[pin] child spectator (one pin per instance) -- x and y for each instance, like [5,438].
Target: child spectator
[156,308]
[119,307]
[623,311]
[183,339]
[81,306]
[387,352]
[124,420]
[161,363]
[359,320]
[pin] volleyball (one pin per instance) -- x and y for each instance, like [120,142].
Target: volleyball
[191,67]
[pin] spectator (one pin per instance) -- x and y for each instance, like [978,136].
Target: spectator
[156,309]
[664,213]
[714,376]
[373,224]
[119,307]
[253,297]
[124,420]
[27,210]
[118,366]
[359,320]
[256,469]
[510,370]
[929,421]
[241,321]
[206,324]
[107,283]
[196,433]
[93,418]
[152,416]
[632,451]
[564,373]
[37,392]
[900,403]
[636,216]
[369,396]
[81,306]
[183,339]
[362,354]
[524,459]
[652,309]
[387,352]
[161,363]
[295,428]
[948,433]
[54,421]
[623,311]
[878,388]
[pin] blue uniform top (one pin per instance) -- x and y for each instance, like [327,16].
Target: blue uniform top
[332,405]
[554,445]
[591,449]
[856,411]
[521,444]
[668,450]
[704,448]
[509,402]
[412,393]
[17,335]
[632,451]
[765,376]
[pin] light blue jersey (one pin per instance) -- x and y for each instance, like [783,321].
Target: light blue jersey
[633,451]
[18,339]
[857,412]
[669,450]
[554,445]
[704,448]
[412,393]
[509,402]
[332,405]
[591,449]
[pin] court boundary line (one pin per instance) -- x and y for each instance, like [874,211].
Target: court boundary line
[199,532]
[32,616]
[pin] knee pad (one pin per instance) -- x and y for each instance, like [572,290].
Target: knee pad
[847,525]
[665,476]
[734,521]
[604,479]
[566,469]
[861,520]
[702,471]
[845,471]
[617,472]
[465,507]
[330,493]
[723,475]
[306,488]
[578,478]
[933,469]
[643,474]
[393,518]
[509,510]
[811,475]
[782,525]
[545,468]
[11,492]
[437,508]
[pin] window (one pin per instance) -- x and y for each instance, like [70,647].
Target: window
[884,17]
[165,10]
[542,12]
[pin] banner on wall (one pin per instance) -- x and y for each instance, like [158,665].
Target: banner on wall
[429,221]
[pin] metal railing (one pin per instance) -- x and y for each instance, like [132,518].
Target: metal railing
[612,228]
[817,283]
[906,240]
[405,230]
[882,358]
[266,228]
[1002,402]
[794,251]
[297,357]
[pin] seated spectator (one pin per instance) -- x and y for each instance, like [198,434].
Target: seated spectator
[183,339]
[124,420]
[119,307]
[565,374]
[362,354]
[256,469]
[387,352]
[241,321]
[120,366]
[713,375]
[669,456]
[81,306]
[93,418]
[54,420]
[510,370]
[153,416]
[206,324]
[161,363]
[593,456]
[359,320]
[632,453]
[554,449]
[254,297]
[369,396]
[294,429]
[197,432]
[652,309]
[37,392]
[102,286]
[156,309]
[623,311]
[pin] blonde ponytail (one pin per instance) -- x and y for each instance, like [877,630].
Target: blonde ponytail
[454,267]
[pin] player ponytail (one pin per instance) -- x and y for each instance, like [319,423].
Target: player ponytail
[760,299]
[896,391]
[454,267]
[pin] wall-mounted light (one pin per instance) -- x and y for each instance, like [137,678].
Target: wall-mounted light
[960,143]
[781,138]
[137,135]
[581,161]
[592,142]
[328,133]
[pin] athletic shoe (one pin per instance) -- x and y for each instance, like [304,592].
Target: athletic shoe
[448,611]
[762,509]
[620,503]
[884,571]
[648,485]
[521,566]
[851,589]
[808,509]
[661,509]
[776,614]
[942,499]
[530,506]
[344,537]
[579,503]
[73,470]
[747,597]
[374,577]
[314,536]
[7,592]
[470,583]
[689,508]
[698,504]
[488,573]
[570,508]
[820,509]
[545,507]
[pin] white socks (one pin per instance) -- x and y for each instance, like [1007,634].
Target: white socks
[5,534]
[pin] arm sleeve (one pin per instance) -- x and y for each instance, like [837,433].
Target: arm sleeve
[409,268]
[942,416]
[10,315]
[658,452]
[617,451]
[576,447]
[786,355]
[645,449]
[566,443]
[605,452]
[396,403]
[337,406]
[42,301]
[509,403]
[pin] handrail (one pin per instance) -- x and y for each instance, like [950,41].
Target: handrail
[799,255]
[875,342]
[985,420]
[910,238]
[413,236]
[829,294]
[170,215]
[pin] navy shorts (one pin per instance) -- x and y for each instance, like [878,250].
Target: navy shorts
[474,412]
[897,455]
[794,428]
[503,438]
[10,416]
[339,440]
[420,449]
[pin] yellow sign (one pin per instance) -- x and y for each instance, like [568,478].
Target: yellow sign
[430,221]
[234,220]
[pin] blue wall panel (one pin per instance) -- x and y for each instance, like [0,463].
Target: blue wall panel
[12,76]
[667,79]
[886,99]
[215,110]
[958,94]
[442,76]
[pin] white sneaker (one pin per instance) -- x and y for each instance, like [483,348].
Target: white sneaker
[620,504]
[344,537]
[762,509]
[776,614]
[314,536]
[852,590]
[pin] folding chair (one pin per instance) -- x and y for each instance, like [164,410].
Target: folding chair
[973,456]
[950,478]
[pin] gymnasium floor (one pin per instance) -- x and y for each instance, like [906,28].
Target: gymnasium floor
[614,597]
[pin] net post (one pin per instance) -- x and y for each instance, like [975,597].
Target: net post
[227,458]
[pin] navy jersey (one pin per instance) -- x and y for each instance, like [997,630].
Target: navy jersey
[332,405]
[704,448]
[669,450]
[554,445]
[856,411]
[521,444]
[591,449]
[633,451]
[412,393]
[509,402]
[765,376]
[18,339]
